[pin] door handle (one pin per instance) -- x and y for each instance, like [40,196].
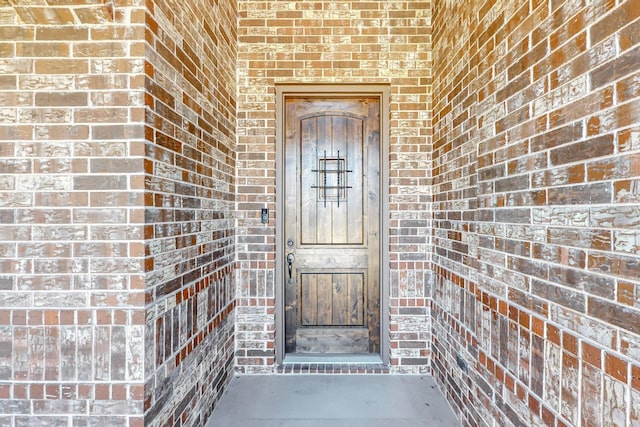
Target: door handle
[290,259]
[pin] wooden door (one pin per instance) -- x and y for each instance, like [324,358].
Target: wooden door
[332,224]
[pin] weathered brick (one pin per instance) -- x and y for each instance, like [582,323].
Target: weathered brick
[43,49]
[557,137]
[61,33]
[615,400]
[67,99]
[627,89]
[583,150]
[619,216]
[99,50]
[591,384]
[619,67]
[618,315]
[45,66]
[8,83]
[620,167]
[45,15]
[15,33]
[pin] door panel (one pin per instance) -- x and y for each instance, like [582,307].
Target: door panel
[332,299]
[332,290]
[331,144]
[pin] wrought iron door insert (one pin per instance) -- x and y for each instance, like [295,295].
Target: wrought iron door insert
[332,180]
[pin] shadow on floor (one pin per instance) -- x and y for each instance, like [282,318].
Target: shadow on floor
[332,400]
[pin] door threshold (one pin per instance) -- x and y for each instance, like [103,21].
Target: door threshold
[332,358]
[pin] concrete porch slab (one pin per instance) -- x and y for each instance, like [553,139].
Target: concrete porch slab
[332,400]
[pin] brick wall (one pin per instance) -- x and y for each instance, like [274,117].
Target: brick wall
[71,213]
[190,199]
[117,166]
[335,42]
[536,191]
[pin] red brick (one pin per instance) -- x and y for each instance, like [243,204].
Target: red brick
[591,354]
[635,377]
[616,367]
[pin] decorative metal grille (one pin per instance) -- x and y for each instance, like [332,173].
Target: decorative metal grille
[332,179]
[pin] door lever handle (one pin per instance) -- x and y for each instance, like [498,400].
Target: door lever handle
[290,259]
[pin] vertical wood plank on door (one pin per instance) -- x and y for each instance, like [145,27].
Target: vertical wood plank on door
[340,226]
[356,299]
[325,299]
[356,181]
[324,218]
[309,304]
[339,305]
[308,194]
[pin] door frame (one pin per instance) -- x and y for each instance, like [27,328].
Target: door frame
[382,92]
